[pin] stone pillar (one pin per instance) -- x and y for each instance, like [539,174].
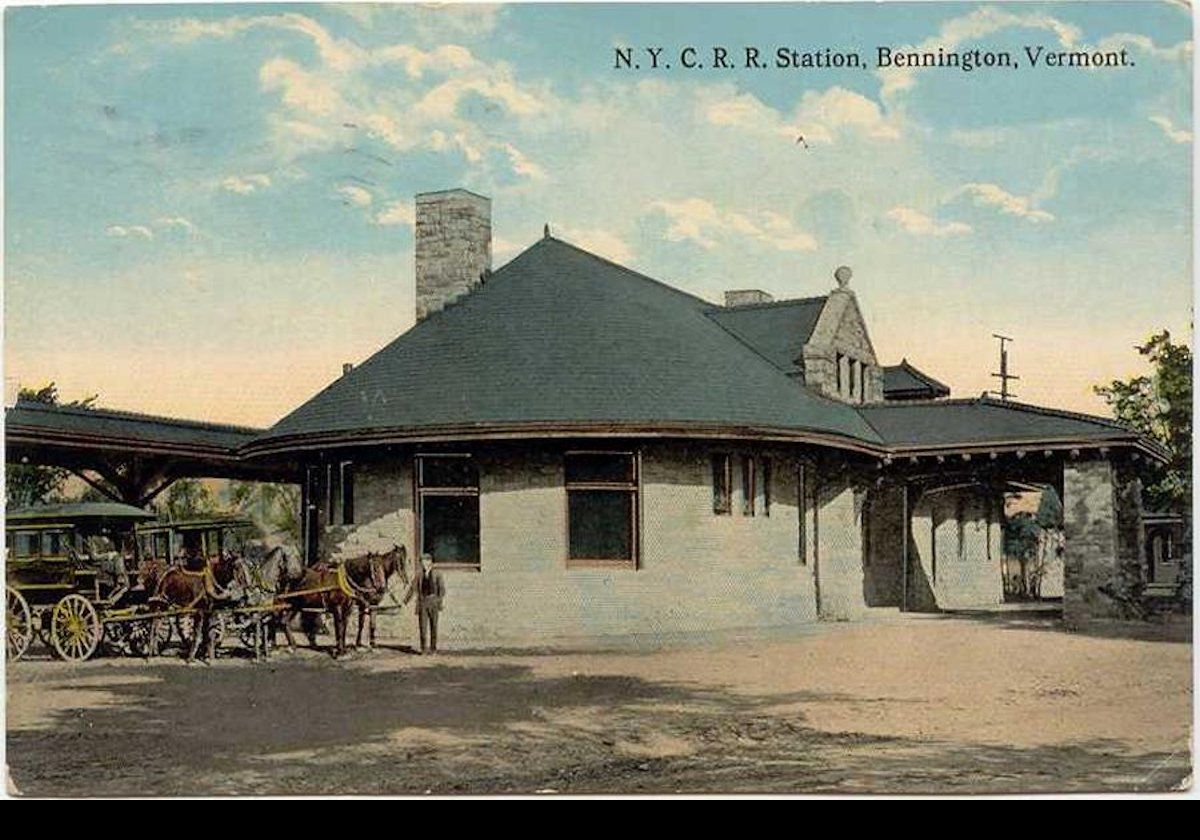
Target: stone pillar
[1102,513]
[453,246]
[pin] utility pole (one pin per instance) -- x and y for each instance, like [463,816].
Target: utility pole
[1004,376]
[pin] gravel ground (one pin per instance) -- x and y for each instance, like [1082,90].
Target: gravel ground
[992,704]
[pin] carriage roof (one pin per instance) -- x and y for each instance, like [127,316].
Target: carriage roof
[207,524]
[75,515]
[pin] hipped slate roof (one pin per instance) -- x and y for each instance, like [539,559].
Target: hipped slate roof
[777,330]
[561,336]
[905,380]
[562,341]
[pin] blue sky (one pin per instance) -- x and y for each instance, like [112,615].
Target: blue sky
[209,208]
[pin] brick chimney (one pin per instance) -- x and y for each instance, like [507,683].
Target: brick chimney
[746,297]
[454,246]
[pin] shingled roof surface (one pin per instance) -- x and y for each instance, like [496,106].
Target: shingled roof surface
[44,418]
[776,330]
[561,335]
[981,421]
[906,379]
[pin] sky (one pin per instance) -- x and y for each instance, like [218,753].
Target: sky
[209,208]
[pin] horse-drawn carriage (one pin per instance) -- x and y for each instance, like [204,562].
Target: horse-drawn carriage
[88,577]
[66,579]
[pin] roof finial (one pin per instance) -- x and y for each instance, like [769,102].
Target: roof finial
[546,230]
[842,275]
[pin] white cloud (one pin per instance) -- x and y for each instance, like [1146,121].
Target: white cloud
[322,100]
[300,89]
[129,232]
[600,242]
[819,117]
[967,29]
[522,165]
[397,213]
[702,222]
[917,223]
[1175,135]
[836,109]
[176,223]
[246,184]
[355,195]
[1140,43]
[443,59]
[992,195]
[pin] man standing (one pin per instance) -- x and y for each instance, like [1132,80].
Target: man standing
[429,588]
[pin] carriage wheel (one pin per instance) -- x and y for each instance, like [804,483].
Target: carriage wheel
[18,624]
[75,628]
[162,630]
[185,626]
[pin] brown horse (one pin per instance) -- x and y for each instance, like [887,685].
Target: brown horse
[191,591]
[338,588]
[370,574]
[322,587]
[195,589]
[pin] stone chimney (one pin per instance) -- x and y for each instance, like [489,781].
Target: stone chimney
[454,246]
[746,297]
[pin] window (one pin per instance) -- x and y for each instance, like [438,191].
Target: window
[764,486]
[933,526]
[602,507]
[52,544]
[747,486]
[310,501]
[960,514]
[26,544]
[347,492]
[852,369]
[448,498]
[806,504]
[837,364]
[722,479]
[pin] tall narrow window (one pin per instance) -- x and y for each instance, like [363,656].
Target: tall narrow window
[331,486]
[310,502]
[837,366]
[933,526]
[802,512]
[448,499]
[347,492]
[747,485]
[960,514]
[722,481]
[602,507]
[852,369]
[764,486]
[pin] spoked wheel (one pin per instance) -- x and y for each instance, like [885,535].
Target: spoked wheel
[185,627]
[140,637]
[255,635]
[75,629]
[18,624]
[162,633]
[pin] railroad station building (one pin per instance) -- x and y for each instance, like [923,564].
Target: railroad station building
[587,451]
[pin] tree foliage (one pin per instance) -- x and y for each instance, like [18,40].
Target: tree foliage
[274,507]
[1159,405]
[31,484]
[186,498]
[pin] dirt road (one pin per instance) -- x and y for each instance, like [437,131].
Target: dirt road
[935,704]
